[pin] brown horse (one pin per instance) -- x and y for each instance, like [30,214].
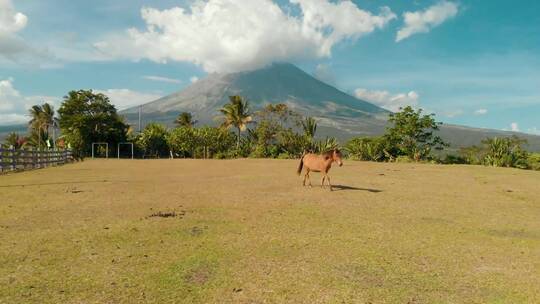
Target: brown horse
[319,163]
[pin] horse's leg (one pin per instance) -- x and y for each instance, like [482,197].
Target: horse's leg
[309,178]
[322,181]
[305,176]
[329,184]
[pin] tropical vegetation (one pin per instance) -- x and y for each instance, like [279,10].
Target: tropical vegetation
[275,131]
[236,114]
[185,119]
[410,135]
[498,152]
[86,117]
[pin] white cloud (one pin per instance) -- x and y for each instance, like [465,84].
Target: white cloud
[125,98]
[514,127]
[481,112]
[194,79]
[14,106]
[8,95]
[235,35]
[163,79]
[10,20]
[388,100]
[424,21]
[14,49]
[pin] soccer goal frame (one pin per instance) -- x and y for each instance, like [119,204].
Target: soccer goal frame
[101,144]
[125,144]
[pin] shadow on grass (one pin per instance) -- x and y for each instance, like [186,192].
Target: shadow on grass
[343,187]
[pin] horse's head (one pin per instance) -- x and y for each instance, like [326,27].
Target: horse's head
[336,157]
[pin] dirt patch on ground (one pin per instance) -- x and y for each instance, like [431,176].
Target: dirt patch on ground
[199,276]
[514,233]
[168,214]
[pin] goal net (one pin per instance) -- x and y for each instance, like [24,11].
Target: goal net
[100,150]
[125,150]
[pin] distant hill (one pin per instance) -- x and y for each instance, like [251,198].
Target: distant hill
[338,113]
[5,130]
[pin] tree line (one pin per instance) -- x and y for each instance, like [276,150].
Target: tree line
[274,131]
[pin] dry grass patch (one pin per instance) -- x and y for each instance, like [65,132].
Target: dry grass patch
[245,231]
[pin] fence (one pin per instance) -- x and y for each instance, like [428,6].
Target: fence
[20,159]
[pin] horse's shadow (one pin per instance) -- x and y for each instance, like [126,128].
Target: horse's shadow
[343,187]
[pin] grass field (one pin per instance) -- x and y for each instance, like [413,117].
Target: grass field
[246,231]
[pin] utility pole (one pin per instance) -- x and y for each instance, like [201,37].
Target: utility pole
[54,135]
[140,114]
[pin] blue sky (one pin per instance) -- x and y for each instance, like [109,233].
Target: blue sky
[474,63]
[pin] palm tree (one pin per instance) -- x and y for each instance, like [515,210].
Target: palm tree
[37,121]
[48,119]
[37,138]
[236,113]
[185,119]
[41,120]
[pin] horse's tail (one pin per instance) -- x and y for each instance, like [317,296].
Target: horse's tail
[301,165]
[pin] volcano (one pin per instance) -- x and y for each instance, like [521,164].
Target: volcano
[338,113]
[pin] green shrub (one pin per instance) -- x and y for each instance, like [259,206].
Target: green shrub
[505,152]
[273,151]
[293,143]
[451,159]
[366,148]
[534,161]
[473,155]
[325,145]
[225,154]
[182,141]
[285,155]
[404,159]
[152,141]
[259,152]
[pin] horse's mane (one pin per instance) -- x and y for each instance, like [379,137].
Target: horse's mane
[330,153]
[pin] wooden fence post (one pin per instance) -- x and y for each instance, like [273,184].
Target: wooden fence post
[13,163]
[22,159]
[34,158]
[12,159]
